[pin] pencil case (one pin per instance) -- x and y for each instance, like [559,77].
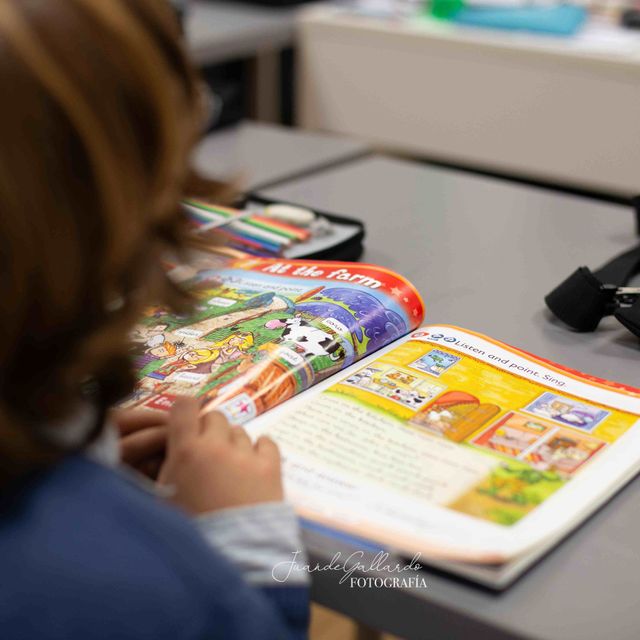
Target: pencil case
[261,227]
[345,243]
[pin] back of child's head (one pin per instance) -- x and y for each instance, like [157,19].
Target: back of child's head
[99,112]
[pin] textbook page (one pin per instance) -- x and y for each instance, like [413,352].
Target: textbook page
[455,445]
[263,329]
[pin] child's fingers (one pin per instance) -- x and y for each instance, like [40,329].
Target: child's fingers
[240,438]
[266,447]
[184,421]
[131,420]
[216,427]
[143,444]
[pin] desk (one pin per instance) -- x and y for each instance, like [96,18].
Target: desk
[258,154]
[551,109]
[484,253]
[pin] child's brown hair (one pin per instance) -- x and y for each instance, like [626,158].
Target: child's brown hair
[99,110]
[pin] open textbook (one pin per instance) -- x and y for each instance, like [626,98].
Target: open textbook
[429,439]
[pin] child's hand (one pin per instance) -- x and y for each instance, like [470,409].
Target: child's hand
[143,439]
[213,466]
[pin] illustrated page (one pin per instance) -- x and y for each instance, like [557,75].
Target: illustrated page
[263,329]
[451,437]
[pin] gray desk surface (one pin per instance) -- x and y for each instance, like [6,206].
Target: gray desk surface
[484,253]
[222,31]
[258,154]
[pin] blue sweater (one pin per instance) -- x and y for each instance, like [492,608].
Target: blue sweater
[86,554]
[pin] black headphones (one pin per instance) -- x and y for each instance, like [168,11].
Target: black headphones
[586,297]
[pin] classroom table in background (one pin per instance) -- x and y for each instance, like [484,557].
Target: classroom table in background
[561,110]
[257,154]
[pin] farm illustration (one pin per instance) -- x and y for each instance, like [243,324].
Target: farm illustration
[565,452]
[256,335]
[403,388]
[508,493]
[514,434]
[566,411]
[454,415]
[542,444]
[435,362]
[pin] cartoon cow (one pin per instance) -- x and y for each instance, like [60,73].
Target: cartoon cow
[308,340]
[410,398]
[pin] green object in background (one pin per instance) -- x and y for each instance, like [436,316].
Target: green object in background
[445,8]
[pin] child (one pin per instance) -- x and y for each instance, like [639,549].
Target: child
[99,113]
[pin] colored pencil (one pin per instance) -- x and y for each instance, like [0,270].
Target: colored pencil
[252,230]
